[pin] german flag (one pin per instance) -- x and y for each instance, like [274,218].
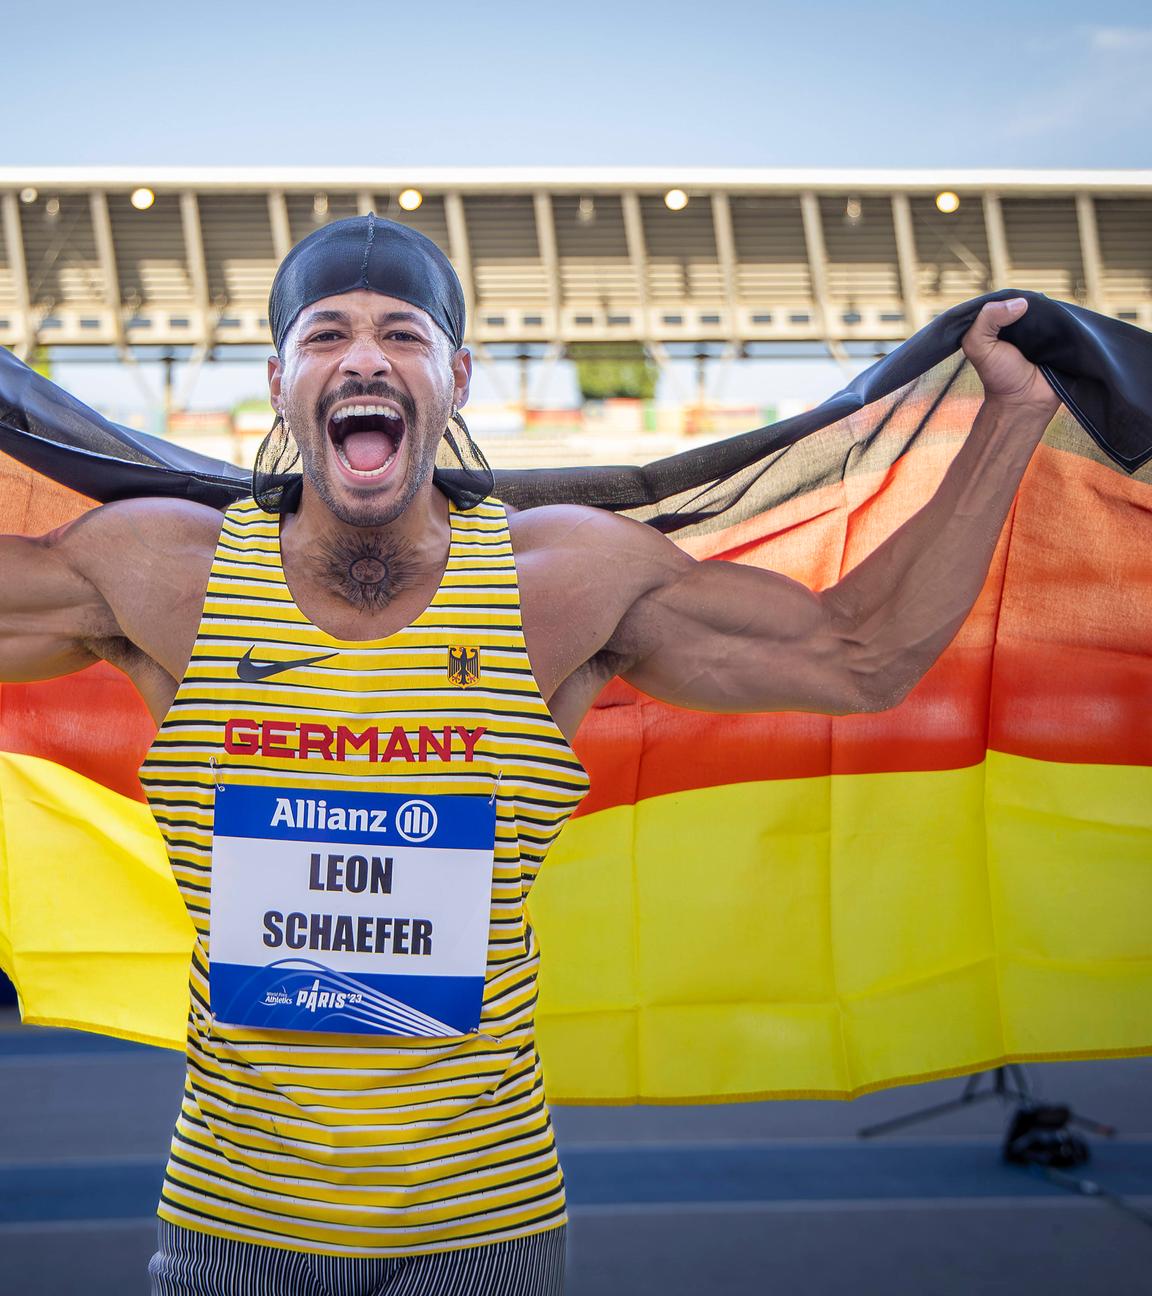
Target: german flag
[92,929]
[794,905]
[778,905]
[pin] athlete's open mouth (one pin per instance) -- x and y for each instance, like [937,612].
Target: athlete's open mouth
[366,437]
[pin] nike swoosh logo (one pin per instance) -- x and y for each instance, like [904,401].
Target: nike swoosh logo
[251,672]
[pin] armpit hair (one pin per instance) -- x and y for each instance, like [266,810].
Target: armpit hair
[121,652]
[608,663]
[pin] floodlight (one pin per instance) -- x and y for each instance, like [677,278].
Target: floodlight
[410,199]
[586,211]
[52,208]
[142,199]
[28,195]
[947,202]
[675,200]
[320,206]
[853,211]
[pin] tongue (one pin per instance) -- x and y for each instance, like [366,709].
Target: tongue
[367,451]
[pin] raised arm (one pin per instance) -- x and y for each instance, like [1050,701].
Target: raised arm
[50,611]
[721,637]
[123,583]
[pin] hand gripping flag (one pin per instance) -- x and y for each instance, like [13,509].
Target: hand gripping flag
[777,905]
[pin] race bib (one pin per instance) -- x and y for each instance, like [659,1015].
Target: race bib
[359,913]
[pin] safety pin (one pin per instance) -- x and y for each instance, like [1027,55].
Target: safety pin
[496,787]
[215,768]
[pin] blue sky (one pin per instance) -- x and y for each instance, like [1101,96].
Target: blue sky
[512,82]
[517,83]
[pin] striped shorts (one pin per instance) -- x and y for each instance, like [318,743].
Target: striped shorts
[188,1263]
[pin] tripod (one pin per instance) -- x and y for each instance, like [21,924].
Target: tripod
[1009,1084]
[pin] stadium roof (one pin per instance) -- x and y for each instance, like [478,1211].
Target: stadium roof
[574,179]
[737,261]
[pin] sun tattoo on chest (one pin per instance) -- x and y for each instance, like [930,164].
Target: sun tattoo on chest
[366,571]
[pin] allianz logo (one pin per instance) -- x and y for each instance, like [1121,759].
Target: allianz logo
[303,812]
[416,820]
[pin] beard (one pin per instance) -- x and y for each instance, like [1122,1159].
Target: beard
[421,439]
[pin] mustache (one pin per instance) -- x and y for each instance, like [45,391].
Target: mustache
[351,388]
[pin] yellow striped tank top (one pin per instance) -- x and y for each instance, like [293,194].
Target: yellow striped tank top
[350,1143]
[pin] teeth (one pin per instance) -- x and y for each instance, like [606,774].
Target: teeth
[362,411]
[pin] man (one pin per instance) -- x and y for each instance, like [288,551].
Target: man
[364,709]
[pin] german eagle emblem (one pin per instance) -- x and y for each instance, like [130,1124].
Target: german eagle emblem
[463,666]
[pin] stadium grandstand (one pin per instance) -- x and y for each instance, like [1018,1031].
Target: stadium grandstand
[108,257]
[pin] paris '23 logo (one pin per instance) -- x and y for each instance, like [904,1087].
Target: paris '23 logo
[463,667]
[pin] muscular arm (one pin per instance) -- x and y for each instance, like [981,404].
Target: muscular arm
[721,637]
[123,583]
[50,612]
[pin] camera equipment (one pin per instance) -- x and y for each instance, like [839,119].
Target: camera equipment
[1037,1137]
[1038,1134]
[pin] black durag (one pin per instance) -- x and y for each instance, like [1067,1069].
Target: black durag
[367,252]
